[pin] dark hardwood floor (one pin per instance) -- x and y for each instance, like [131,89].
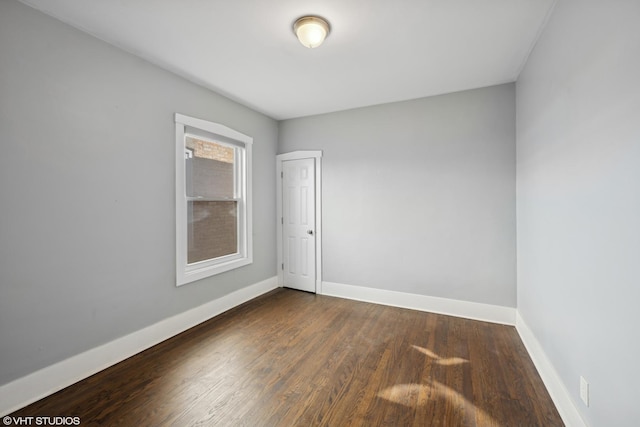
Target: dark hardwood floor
[291,358]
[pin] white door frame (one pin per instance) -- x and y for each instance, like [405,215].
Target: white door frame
[297,155]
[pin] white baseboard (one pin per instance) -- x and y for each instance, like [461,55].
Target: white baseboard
[46,381]
[558,392]
[451,307]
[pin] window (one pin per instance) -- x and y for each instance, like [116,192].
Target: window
[213,199]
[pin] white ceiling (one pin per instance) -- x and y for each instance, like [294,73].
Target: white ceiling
[378,51]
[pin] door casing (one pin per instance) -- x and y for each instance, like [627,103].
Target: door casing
[297,155]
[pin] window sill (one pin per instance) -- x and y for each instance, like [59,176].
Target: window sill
[198,273]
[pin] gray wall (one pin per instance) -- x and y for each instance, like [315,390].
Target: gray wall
[419,196]
[87,225]
[578,207]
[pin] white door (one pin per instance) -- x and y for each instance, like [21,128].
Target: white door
[298,224]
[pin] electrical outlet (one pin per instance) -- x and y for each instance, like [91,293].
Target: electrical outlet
[584,390]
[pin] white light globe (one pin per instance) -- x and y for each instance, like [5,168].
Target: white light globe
[311,31]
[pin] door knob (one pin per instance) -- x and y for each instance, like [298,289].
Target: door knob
[310,232]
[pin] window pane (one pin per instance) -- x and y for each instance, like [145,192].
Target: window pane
[211,229]
[209,169]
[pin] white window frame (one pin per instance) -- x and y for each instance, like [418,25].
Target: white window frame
[187,273]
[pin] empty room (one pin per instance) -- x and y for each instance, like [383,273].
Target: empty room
[333,213]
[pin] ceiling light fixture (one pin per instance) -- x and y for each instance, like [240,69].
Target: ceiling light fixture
[311,30]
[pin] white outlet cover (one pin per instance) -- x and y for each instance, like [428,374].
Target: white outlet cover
[584,391]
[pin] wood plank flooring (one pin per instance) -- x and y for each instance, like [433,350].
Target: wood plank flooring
[291,358]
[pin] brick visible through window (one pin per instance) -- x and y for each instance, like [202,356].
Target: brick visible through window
[212,230]
[212,224]
[209,150]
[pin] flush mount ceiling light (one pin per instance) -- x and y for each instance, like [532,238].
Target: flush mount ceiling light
[311,30]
